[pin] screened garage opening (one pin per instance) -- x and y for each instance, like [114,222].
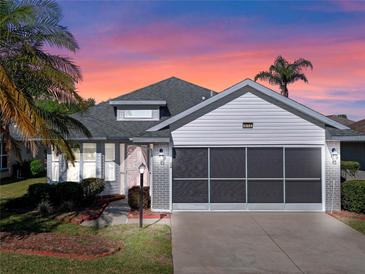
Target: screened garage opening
[247,178]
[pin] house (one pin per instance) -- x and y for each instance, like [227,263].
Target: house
[245,148]
[9,160]
[353,148]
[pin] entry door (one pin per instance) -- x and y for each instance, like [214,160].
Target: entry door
[136,155]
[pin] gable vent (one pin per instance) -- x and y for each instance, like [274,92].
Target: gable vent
[247,125]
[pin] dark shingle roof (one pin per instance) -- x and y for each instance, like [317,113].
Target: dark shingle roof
[341,119]
[178,94]
[359,126]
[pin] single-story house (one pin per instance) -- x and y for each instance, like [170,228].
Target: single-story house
[245,148]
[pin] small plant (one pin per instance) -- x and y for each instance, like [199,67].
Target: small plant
[353,196]
[133,197]
[350,167]
[37,168]
[44,208]
[91,187]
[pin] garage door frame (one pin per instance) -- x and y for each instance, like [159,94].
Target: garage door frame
[252,206]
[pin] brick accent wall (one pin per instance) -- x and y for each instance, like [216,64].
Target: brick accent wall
[333,177]
[161,178]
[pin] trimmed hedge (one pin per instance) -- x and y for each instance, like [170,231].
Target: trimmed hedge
[350,167]
[91,187]
[353,196]
[56,194]
[133,197]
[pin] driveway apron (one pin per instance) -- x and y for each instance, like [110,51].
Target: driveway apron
[265,243]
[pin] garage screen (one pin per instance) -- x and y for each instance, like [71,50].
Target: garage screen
[253,175]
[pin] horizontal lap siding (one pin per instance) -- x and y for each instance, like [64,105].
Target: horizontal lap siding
[272,125]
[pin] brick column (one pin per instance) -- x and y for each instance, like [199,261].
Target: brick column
[333,177]
[161,178]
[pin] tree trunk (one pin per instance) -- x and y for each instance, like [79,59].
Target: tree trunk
[284,90]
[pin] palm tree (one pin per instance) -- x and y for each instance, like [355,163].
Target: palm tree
[28,72]
[283,73]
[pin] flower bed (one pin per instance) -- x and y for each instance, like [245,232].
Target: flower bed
[148,214]
[347,214]
[58,245]
[90,213]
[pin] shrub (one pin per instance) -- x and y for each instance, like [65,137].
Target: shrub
[67,191]
[91,187]
[39,192]
[350,167]
[133,197]
[45,208]
[37,168]
[353,196]
[67,206]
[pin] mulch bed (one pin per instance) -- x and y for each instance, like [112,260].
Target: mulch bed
[91,213]
[148,214]
[347,214]
[58,245]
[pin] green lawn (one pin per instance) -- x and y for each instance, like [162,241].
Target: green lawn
[144,251]
[358,225]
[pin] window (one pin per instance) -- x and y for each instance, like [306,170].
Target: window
[89,160]
[138,113]
[3,157]
[109,162]
[73,170]
[55,166]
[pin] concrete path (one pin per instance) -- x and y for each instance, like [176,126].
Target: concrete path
[265,243]
[116,213]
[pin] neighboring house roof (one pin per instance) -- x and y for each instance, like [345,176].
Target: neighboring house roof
[349,135]
[262,89]
[178,94]
[359,126]
[341,118]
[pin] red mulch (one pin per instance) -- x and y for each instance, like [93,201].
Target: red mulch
[58,245]
[347,214]
[148,214]
[91,213]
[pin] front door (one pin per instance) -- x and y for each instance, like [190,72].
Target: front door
[136,155]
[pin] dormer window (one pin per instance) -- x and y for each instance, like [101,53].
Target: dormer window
[138,110]
[138,113]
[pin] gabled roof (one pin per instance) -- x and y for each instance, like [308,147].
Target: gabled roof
[266,91]
[359,126]
[342,119]
[178,94]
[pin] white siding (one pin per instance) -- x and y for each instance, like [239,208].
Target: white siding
[272,126]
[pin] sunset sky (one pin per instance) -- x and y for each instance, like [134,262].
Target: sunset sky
[128,45]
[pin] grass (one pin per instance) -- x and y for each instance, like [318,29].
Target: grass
[17,189]
[358,225]
[143,251]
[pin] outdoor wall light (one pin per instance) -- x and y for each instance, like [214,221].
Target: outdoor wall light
[161,155]
[142,168]
[334,155]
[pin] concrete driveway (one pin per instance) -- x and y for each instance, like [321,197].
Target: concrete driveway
[265,243]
